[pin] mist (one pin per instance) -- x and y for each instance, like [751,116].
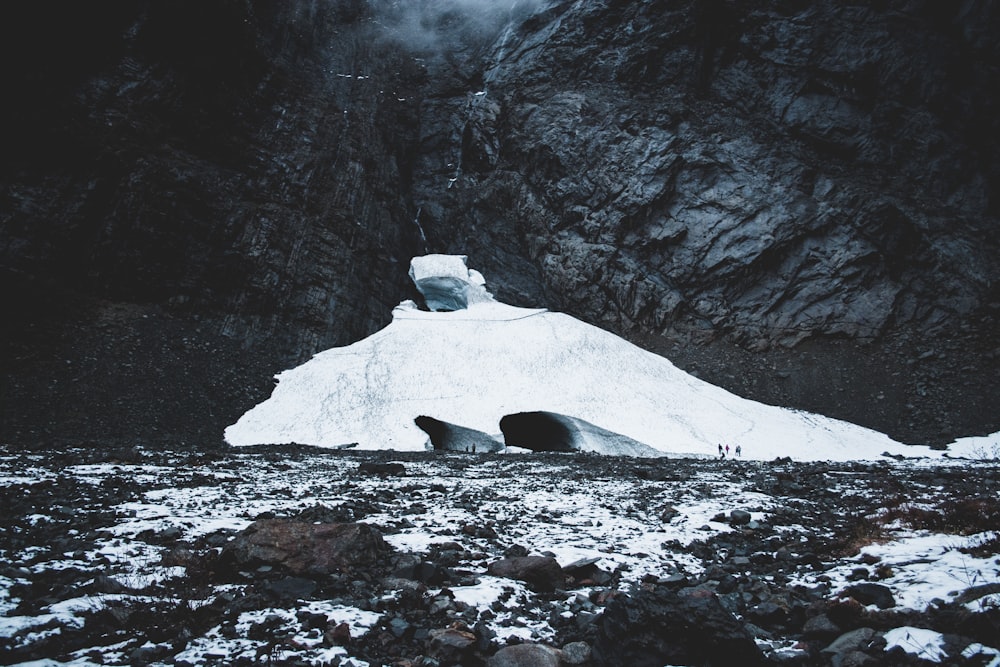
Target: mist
[440,26]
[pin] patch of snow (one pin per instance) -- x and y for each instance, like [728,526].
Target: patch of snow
[926,567]
[925,644]
[973,650]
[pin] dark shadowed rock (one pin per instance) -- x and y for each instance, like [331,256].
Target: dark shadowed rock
[384,469]
[739,517]
[525,655]
[453,645]
[869,593]
[542,573]
[305,548]
[651,628]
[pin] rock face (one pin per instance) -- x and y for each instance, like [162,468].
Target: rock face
[796,202]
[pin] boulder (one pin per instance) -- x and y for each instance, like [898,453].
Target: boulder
[651,628]
[454,645]
[739,517]
[868,593]
[307,548]
[542,573]
[390,469]
[526,655]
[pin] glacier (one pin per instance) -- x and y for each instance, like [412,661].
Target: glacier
[471,362]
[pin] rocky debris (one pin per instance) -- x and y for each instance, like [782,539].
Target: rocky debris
[661,626]
[306,548]
[542,573]
[75,533]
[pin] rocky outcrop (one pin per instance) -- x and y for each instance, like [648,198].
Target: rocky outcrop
[796,203]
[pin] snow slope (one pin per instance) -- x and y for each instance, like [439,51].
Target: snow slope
[473,366]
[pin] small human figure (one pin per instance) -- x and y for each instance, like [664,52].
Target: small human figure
[727,450]
[720,451]
[739,450]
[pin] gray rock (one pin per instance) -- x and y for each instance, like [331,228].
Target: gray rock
[854,640]
[869,593]
[307,548]
[576,653]
[661,626]
[542,573]
[821,627]
[739,517]
[526,655]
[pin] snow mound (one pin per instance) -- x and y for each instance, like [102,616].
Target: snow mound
[471,361]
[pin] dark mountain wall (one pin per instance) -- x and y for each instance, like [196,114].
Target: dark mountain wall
[794,200]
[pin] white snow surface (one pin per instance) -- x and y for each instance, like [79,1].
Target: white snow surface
[473,366]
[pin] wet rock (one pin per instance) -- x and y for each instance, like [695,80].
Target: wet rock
[305,548]
[542,573]
[526,655]
[868,593]
[655,627]
[383,469]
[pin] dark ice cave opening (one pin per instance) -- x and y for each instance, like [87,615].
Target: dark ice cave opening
[436,429]
[539,431]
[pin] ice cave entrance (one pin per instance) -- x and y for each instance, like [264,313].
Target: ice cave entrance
[447,283]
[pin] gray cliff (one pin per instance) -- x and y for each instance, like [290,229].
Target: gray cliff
[795,201]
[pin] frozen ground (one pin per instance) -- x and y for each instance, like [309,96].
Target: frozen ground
[119,557]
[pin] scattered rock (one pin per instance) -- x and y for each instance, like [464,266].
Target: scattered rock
[452,645]
[542,573]
[381,468]
[305,548]
[651,628]
[820,627]
[869,593]
[576,653]
[526,655]
[855,640]
[739,517]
